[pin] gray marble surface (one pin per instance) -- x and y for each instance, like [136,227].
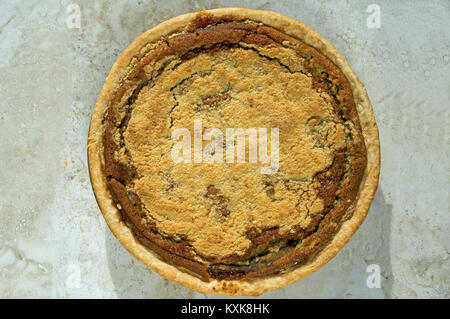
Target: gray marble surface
[51,229]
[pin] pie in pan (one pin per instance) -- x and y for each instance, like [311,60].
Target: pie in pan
[223,226]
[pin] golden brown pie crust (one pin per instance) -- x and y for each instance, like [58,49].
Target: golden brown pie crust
[227,228]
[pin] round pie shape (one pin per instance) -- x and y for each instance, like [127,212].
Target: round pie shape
[226,227]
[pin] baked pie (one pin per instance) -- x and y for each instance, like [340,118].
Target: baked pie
[214,221]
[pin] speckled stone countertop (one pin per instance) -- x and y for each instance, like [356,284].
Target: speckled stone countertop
[54,242]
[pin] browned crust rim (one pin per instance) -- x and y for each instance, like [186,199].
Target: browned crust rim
[285,24]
